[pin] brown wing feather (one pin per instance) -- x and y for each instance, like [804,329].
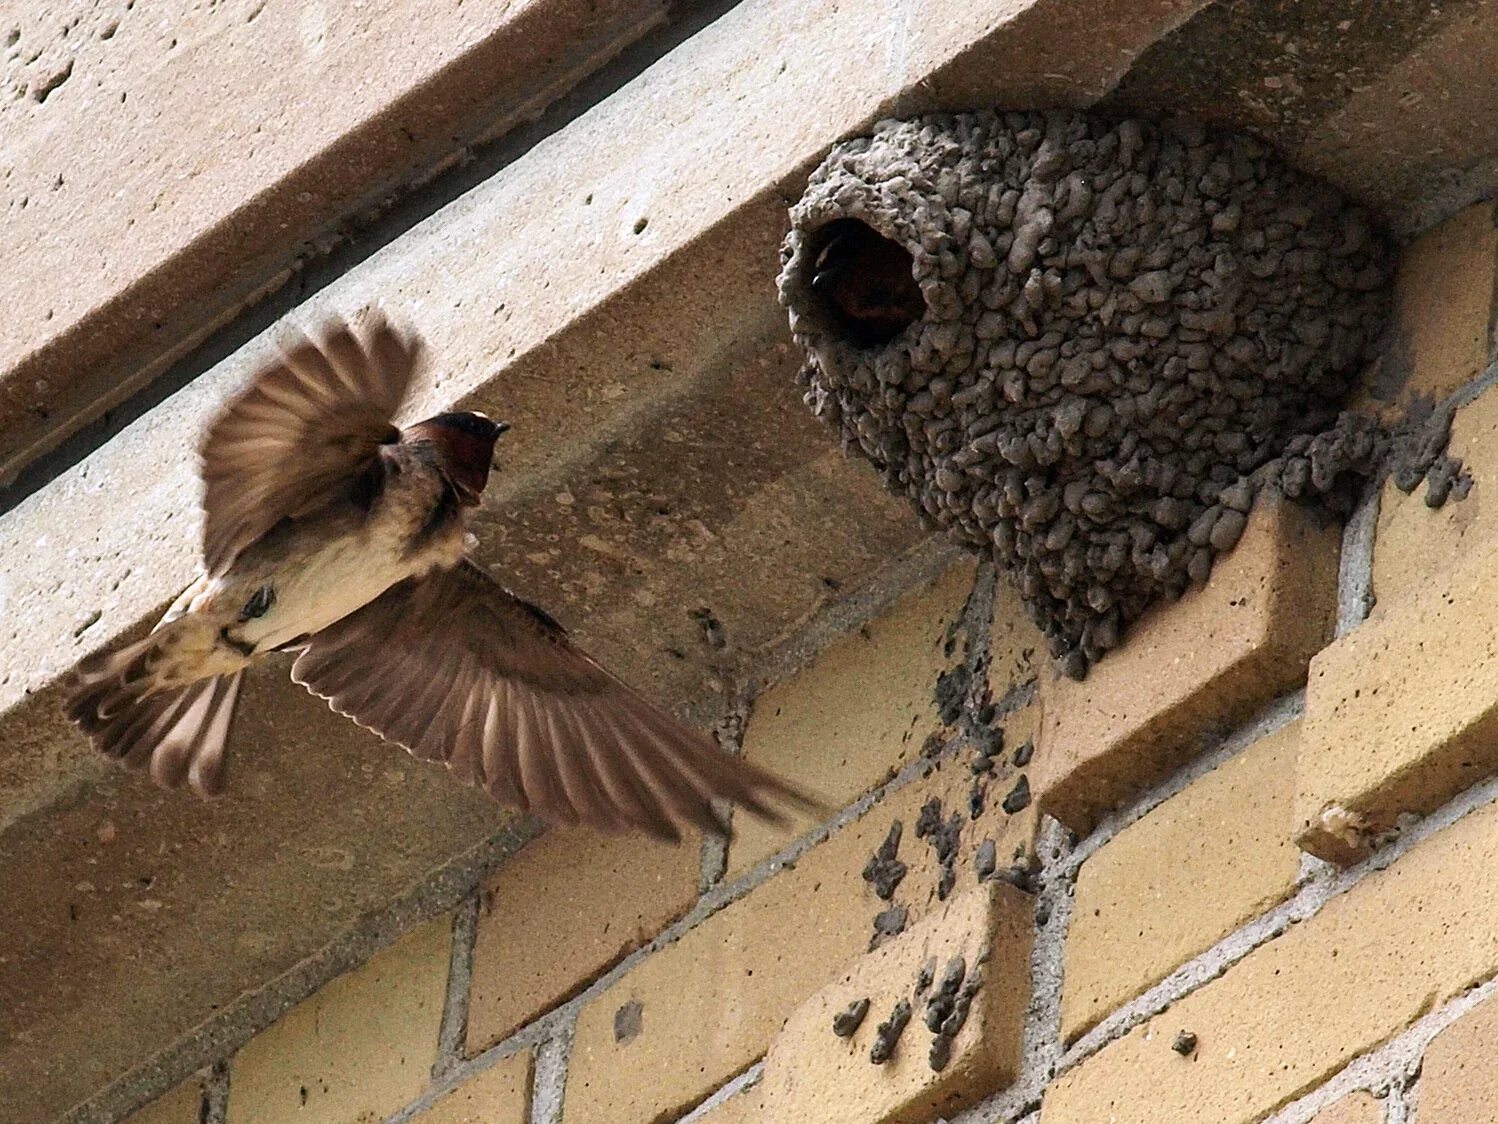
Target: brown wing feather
[180,733]
[456,668]
[303,427]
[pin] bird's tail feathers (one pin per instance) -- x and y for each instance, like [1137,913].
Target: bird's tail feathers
[179,732]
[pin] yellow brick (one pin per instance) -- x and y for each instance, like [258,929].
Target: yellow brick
[1443,300]
[500,1094]
[1412,539]
[568,906]
[812,1074]
[1443,307]
[357,1050]
[709,1004]
[862,708]
[1179,880]
[692,1015]
[1202,664]
[1402,712]
[1299,1008]
[1458,1083]
[183,1105]
[744,1107]
[1016,649]
[1359,1108]
[952,783]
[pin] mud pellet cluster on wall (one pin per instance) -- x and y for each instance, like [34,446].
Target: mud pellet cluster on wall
[1084,344]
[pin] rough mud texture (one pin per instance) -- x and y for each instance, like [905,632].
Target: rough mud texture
[940,1005]
[951,693]
[977,799]
[1018,798]
[986,860]
[1416,451]
[947,1010]
[924,977]
[988,743]
[884,871]
[1119,333]
[628,1022]
[887,1034]
[944,837]
[846,1022]
[1024,752]
[888,922]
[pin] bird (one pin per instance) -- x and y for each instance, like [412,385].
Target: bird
[330,532]
[867,280]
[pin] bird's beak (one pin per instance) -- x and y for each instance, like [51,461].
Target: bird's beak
[501,428]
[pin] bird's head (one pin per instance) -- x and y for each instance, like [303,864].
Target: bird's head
[465,449]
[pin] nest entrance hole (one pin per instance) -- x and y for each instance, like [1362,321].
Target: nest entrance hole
[865,283]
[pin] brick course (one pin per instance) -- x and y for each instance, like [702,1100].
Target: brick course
[709,1003]
[500,1094]
[1458,1083]
[1443,306]
[361,1047]
[1180,879]
[1412,541]
[1400,713]
[1356,1108]
[564,909]
[813,1074]
[183,1105]
[865,708]
[1189,669]
[1300,1007]
[744,1107]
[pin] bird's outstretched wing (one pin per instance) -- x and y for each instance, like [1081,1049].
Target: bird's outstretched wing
[303,427]
[456,668]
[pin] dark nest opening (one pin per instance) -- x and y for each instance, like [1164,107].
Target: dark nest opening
[863,283]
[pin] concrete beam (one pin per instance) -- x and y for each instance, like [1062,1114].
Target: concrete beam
[1386,100]
[242,139]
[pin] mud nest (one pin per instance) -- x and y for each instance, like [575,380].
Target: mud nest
[1085,345]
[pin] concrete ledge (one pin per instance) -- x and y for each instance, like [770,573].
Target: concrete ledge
[1388,101]
[210,193]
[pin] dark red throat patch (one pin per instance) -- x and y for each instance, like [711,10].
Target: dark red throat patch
[465,449]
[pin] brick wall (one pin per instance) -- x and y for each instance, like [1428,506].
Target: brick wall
[1242,872]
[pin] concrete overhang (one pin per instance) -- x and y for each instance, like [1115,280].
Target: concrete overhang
[610,292]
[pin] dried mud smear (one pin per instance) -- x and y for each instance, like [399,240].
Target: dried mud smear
[1123,332]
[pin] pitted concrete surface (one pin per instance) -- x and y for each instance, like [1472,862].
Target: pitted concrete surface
[219,175]
[1386,100]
